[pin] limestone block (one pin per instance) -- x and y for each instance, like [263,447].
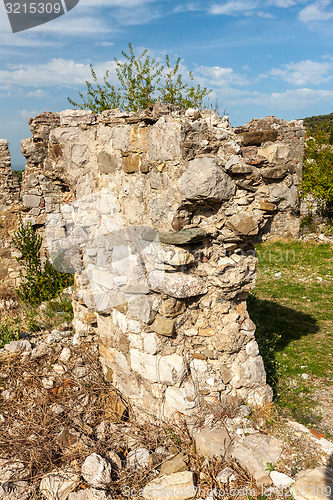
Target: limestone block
[183,399]
[315,484]
[80,154]
[141,308]
[135,162]
[249,373]
[254,452]
[163,326]
[31,200]
[211,442]
[274,173]
[252,348]
[144,364]
[59,484]
[243,224]
[183,237]
[76,116]
[139,139]
[164,140]
[257,137]
[178,285]
[275,152]
[171,369]
[172,307]
[151,342]
[121,137]
[96,471]
[203,179]
[178,486]
[107,163]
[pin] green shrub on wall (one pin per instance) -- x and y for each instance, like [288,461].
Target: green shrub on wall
[143,81]
[38,282]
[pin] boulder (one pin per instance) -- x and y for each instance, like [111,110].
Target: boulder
[315,484]
[211,442]
[254,452]
[205,180]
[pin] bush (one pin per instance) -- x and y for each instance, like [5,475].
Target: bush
[317,179]
[38,282]
[143,82]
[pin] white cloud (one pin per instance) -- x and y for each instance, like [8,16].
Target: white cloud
[232,8]
[316,12]
[297,99]
[284,4]
[56,72]
[217,76]
[38,93]
[304,73]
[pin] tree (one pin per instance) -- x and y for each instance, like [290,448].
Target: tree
[143,81]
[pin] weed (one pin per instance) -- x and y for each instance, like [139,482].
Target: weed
[9,331]
[38,282]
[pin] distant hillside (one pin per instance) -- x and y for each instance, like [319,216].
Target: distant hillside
[318,123]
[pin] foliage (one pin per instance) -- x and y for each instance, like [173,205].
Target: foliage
[9,330]
[18,175]
[317,179]
[319,123]
[143,82]
[38,282]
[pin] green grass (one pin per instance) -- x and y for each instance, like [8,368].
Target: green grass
[293,309]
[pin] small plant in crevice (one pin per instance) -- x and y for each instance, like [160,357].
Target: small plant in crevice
[39,282]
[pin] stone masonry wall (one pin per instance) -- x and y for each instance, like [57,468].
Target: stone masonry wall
[9,207]
[157,212]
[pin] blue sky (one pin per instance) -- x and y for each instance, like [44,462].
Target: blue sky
[272,57]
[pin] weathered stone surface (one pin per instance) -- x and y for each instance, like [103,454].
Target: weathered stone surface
[96,471]
[183,399]
[204,180]
[274,152]
[281,480]
[107,163]
[254,452]
[266,206]
[243,224]
[141,308]
[58,485]
[135,163]
[31,200]
[179,486]
[258,137]
[172,307]
[76,116]
[139,458]
[164,140]
[211,442]
[172,369]
[175,464]
[315,484]
[274,172]
[144,364]
[19,346]
[176,285]
[183,237]
[163,326]
[249,373]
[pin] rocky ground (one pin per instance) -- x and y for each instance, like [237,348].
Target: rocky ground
[65,433]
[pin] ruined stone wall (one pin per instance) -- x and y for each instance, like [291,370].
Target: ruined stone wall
[157,212]
[9,207]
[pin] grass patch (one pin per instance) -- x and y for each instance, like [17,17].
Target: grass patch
[293,310]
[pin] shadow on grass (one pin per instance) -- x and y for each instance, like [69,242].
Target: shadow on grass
[277,326]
